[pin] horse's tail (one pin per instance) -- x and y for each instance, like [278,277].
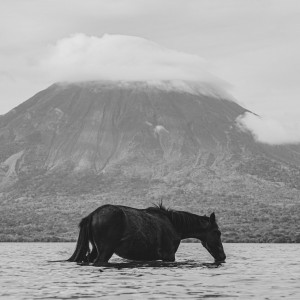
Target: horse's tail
[82,251]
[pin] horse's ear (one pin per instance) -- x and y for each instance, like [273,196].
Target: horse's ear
[212,218]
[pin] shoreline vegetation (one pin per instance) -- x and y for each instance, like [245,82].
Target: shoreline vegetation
[241,220]
[246,213]
[55,219]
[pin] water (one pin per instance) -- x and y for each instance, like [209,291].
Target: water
[252,271]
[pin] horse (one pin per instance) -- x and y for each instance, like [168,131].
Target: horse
[147,234]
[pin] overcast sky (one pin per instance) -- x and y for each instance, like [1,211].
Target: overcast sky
[252,45]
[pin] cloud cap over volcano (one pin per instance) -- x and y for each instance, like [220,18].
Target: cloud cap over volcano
[269,130]
[120,57]
[81,57]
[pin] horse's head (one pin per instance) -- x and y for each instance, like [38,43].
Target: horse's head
[211,240]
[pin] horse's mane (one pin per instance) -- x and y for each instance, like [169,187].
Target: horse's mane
[181,219]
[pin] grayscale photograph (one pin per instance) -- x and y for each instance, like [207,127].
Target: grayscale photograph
[149,149]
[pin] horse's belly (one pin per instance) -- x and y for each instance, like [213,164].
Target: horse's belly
[138,250]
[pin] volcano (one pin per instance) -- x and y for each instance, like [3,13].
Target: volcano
[134,129]
[75,146]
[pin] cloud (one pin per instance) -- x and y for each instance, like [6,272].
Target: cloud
[119,57]
[269,130]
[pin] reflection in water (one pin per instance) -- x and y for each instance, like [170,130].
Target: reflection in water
[152,264]
[254,271]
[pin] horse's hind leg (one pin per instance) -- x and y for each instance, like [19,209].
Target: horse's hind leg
[94,252]
[104,254]
[107,231]
[105,249]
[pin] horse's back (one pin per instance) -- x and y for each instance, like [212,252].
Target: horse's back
[131,221]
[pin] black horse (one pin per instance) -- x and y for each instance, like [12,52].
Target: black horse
[143,234]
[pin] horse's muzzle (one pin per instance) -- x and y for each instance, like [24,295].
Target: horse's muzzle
[220,261]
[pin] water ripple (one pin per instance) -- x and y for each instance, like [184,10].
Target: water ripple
[252,271]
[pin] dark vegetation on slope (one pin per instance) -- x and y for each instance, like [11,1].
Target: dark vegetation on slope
[50,209]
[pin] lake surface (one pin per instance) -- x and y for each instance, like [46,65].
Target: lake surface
[252,271]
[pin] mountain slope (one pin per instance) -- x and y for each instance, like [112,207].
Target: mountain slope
[93,125]
[99,126]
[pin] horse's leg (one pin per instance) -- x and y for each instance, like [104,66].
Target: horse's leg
[169,248]
[170,257]
[105,248]
[107,231]
[168,253]
[94,252]
[104,254]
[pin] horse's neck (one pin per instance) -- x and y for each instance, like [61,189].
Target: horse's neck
[189,225]
[192,234]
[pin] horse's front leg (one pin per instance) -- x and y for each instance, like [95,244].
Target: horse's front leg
[169,246]
[167,252]
[169,258]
